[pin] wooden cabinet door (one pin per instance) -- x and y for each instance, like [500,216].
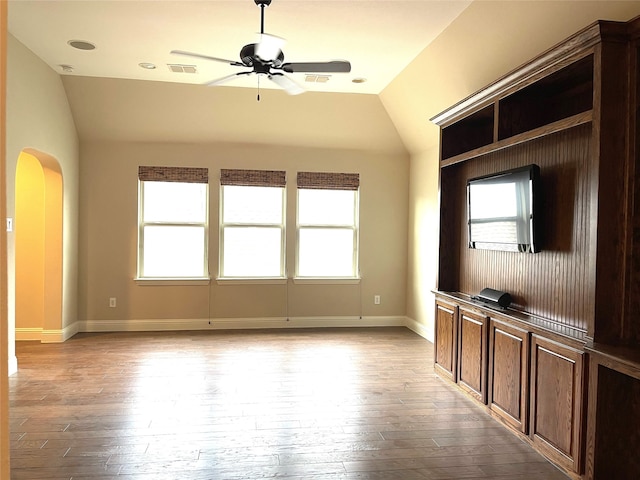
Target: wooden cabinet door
[472,353]
[446,339]
[556,401]
[508,373]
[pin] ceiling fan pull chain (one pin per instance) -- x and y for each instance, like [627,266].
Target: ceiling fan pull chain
[258,88]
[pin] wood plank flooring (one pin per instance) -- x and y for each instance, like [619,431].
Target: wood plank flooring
[322,404]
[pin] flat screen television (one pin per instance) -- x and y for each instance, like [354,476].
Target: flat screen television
[503,212]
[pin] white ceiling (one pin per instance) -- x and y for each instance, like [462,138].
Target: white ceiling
[379,37]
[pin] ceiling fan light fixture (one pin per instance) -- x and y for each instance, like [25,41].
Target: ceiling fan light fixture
[269,47]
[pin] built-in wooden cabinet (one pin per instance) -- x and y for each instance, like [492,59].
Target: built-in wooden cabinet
[561,365]
[557,386]
[509,367]
[472,353]
[446,334]
[613,426]
[527,373]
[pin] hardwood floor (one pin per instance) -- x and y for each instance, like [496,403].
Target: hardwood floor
[300,404]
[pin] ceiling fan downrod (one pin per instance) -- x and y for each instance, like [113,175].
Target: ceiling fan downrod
[262,4]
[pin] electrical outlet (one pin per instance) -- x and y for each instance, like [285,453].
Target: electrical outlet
[376,299]
[112,302]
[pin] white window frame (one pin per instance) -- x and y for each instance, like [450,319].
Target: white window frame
[223,224]
[355,229]
[140,276]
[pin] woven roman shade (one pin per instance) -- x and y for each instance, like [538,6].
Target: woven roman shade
[329,180]
[253,178]
[173,174]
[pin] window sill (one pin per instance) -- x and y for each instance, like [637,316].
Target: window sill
[326,280]
[251,281]
[172,281]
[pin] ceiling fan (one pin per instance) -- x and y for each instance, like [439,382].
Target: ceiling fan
[265,58]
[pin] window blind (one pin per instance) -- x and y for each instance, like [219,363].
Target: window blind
[173,174]
[253,178]
[329,180]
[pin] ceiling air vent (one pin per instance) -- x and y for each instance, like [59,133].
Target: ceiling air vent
[178,68]
[317,78]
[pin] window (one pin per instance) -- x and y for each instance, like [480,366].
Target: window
[252,224]
[327,225]
[172,222]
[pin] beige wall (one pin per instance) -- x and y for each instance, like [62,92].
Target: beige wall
[4,333]
[39,120]
[486,41]
[108,238]
[29,242]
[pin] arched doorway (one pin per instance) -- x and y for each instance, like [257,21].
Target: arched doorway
[38,246]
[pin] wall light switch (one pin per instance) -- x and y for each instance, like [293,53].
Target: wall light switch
[9,224]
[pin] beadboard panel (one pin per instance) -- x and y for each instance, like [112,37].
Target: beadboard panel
[555,282]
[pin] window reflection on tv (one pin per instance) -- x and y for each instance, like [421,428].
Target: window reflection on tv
[501,211]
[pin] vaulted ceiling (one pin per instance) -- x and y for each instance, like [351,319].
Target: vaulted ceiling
[379,38]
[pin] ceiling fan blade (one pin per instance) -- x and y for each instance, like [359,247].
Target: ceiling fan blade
[287,84]
[207,57]
[336,66]
[269,47]
[220,81]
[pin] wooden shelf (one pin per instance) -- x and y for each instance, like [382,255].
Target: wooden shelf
[533,323]
[621,359]
[563,94]
[560,125]
[474,132]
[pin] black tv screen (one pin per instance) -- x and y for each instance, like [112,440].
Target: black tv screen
[502,212]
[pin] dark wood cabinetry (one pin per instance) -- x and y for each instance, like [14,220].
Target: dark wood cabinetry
[472,353]
[561,365]
[557,400]
[527,371]
[613,426]
[509,367]
[446,335]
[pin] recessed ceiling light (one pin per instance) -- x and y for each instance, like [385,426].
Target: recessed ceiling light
[359,80]
[147,65]
[81,44]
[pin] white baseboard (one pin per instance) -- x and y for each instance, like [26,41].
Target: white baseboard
[150,325]
[156,325]
[47,336]
[419,328]
[23,334]
[13,364]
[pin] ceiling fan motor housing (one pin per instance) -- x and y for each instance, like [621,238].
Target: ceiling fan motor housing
[248,57]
